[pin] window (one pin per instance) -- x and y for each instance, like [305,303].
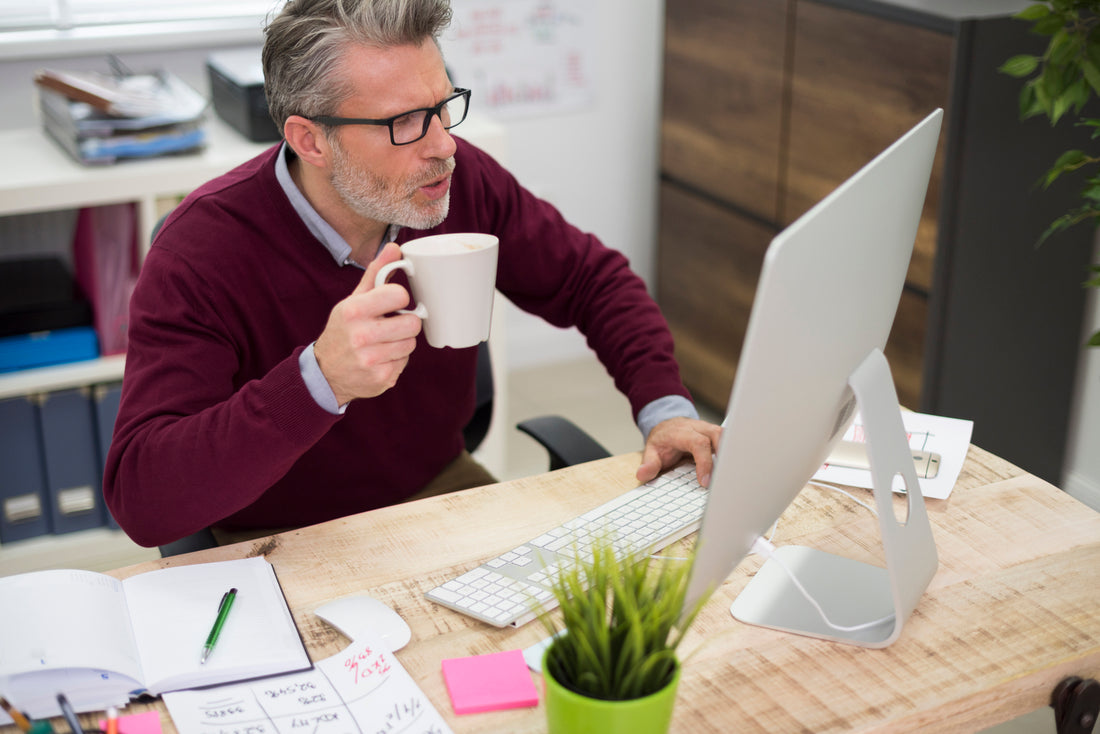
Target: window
[30,28]
[17,15]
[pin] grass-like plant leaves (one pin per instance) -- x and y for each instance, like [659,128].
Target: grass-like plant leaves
[622,620]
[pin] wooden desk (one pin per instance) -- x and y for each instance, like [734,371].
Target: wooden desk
[1013,609]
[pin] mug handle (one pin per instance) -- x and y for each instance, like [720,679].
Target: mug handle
[421,310]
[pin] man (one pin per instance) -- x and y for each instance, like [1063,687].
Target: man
[268,383]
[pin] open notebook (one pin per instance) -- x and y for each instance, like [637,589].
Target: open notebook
[102,641]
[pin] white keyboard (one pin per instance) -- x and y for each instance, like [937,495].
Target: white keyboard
[513,588]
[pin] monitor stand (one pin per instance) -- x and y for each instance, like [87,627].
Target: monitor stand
[853,593]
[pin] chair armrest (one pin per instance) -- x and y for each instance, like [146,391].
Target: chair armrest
[566,443]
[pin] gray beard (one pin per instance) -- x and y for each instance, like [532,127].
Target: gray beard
[372,197]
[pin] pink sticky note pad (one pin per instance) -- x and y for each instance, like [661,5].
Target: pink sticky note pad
[499,680]
[147,722]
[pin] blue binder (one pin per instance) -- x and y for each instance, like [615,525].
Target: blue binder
[24,505]
[107,398]
[72,461]
[43,348]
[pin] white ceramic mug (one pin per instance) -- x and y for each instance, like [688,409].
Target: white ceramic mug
[453,279]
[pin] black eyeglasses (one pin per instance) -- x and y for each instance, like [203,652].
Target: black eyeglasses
[408,127]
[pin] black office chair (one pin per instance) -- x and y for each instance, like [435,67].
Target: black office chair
[563,440]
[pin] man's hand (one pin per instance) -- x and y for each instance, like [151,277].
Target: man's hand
[671,440]
[362,351]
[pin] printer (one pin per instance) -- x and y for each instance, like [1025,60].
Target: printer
[237,90]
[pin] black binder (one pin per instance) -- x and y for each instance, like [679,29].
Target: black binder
[72,461]
[24,503]
[106,398]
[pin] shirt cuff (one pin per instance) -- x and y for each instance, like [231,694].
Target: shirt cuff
[317,384]
[661,409]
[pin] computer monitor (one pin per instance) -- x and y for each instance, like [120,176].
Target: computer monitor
[812,357]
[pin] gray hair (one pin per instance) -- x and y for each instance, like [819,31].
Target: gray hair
[304,45]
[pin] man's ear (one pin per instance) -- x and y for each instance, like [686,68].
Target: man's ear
[307,139]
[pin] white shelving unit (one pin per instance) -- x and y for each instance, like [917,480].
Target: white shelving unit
[40,177]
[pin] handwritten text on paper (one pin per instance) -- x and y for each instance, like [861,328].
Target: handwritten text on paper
[362,689]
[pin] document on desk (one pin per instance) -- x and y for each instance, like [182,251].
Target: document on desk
[949,438]
[361,689]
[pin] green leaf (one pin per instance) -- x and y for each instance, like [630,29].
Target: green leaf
[1043,98]
[1020,66]
[1062,103]
[1078,95]
[1063,48]
[1092,192]
[1068,161]
[1066,221]
[1053,82]
[1033,12]
[1054,228]
[1091,74]
[1029,104]
[1049,25]
[1095,340]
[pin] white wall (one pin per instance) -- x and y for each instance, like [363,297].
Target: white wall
[598,165]
[1082,472]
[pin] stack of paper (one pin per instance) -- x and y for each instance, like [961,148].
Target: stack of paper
[100,119]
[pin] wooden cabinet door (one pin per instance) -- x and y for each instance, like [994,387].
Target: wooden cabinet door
[709,260]
[721,124]
[858,83]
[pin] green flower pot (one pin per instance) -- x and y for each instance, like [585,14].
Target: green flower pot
[568,712]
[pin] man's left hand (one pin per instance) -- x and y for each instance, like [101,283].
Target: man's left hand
[671,440]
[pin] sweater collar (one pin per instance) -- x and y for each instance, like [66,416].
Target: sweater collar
[337,247]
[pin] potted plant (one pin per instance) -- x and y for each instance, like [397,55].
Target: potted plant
[1059,83]
[613,665]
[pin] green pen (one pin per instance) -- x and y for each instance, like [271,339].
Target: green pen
[223,612]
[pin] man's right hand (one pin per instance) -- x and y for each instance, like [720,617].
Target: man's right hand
[362,351]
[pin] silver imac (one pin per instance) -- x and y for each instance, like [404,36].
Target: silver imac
[812,357]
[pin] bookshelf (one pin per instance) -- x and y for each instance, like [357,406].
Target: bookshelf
[42,177]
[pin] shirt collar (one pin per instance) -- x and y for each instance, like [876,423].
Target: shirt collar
[322,230]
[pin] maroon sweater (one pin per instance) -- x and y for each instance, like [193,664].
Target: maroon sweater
[216,426]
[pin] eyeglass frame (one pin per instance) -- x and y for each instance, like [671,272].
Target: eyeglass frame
[432,113]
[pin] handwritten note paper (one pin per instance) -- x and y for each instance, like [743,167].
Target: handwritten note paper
[362,689]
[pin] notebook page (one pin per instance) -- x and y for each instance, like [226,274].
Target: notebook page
[65,630]
[173,609]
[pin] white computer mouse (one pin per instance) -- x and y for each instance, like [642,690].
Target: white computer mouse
[358,617]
